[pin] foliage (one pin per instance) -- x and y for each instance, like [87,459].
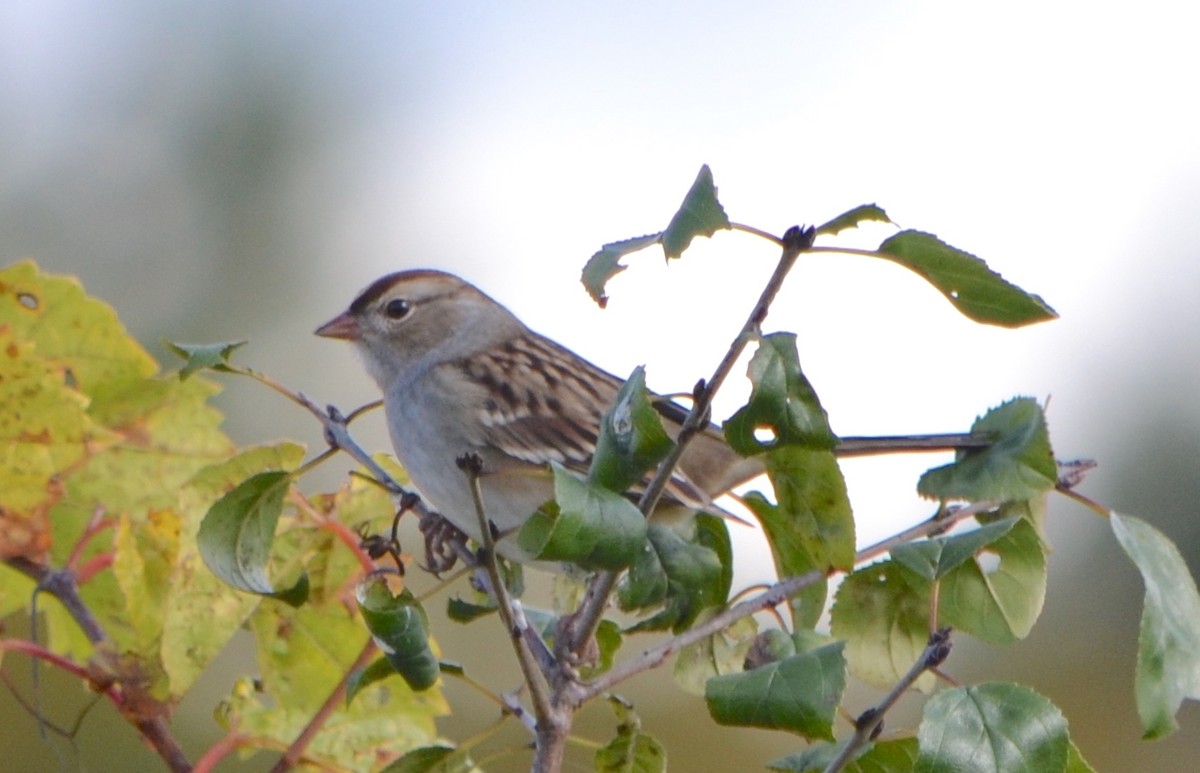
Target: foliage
[120,475]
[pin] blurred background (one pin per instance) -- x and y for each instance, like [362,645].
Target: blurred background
[239,170]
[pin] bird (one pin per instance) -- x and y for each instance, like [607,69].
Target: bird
[461,375]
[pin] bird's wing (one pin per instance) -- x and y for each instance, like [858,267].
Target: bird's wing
[555,414]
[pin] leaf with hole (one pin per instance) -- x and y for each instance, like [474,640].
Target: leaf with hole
[783,408]
[933,558]
[998,595]
[975,290]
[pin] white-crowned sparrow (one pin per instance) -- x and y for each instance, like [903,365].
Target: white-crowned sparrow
[461,374]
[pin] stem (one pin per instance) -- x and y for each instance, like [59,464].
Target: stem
[757,232]
[218,751]
[539,689]
[295,751]
[1090,504]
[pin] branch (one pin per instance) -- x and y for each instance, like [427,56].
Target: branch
[539,689]
[295,751]
[653,657]
[60,583]
[870,722]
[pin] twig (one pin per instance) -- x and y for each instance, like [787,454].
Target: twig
[539,688]
[295,751]
[869,723]
[865,446]
[941,521]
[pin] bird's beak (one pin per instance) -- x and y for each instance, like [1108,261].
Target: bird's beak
[344,326]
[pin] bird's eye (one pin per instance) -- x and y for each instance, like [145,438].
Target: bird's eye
[397,308]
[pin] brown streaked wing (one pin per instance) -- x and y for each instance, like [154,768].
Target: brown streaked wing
[544,404]
[555,415]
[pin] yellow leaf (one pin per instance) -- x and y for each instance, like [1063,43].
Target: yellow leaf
[44,431]
[81,334]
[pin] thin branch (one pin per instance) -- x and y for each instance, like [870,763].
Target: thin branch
[869,723]
[580,693]
[795,241]
[865,446]
[941,521]
[295,751]
[539,688]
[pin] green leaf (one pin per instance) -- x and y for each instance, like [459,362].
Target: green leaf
[1019,463]
[632,439]
[236,535]
[397,623]
[434,759]
[699,215]
[684,568]
[606,263]
[632,751]
[933,558]
[992,727]
[799,694]
[966,281]
[1168,667]
[882,613]
[895,756]
[204,356]
[811,527]
[783,408]
[586,525]
[194,592]
[998,596]
[852,218]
